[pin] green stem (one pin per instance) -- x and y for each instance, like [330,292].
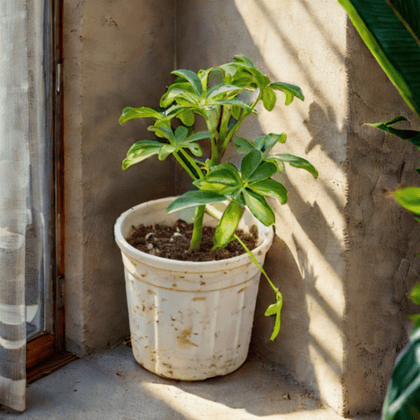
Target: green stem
[198,228]
[182,163]
[238,123]
[224,123]
[251,255]
[192,162]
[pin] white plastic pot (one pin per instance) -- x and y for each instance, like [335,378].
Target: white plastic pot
[189,320]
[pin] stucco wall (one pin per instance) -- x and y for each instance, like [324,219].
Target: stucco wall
[116,54]
[302,43]
[344,254]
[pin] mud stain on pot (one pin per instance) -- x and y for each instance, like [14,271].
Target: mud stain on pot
[199,298]
[183,340]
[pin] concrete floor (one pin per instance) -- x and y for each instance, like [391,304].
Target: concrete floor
[112,386]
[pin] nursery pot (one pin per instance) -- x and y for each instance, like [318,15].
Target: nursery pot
[189,320]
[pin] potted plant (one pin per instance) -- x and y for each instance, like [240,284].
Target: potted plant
[193,320]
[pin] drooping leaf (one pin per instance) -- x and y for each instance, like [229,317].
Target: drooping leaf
[130,113]
[175,91]
[275,309]
[270,188]
[223,179]
[228,224]
[388,30]
[296,162]
[140,151]
[291,91]
[250,163]
[192,78]
[412,136]
[194,198]
[259,207]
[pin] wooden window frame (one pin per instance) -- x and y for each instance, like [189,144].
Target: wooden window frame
[45,352]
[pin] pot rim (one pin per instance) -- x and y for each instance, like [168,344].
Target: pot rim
[178,265]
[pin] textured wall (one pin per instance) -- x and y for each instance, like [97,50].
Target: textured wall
[303,43]
[383,238]
[116,54]
[344,253]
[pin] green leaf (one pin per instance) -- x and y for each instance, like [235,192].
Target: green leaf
[388,31]
[291,91]
[259,207]
[228,224]
[409,198]
[264,171]
[296,162]
[192,78]
[219,91]
[416,320]
[402,401]
[199,136]
[165,132]
[165,151]
[187,118]
[250,163]
[269,99]
[130,113]
[275,309]
[243,59]
[270,188]
[409,135]
[267,142]
[244,146]
[194,198]
[139,152]
[415,294]
[223,179]
[175,91]
[236,102]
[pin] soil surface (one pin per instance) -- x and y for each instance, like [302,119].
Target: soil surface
[173,242]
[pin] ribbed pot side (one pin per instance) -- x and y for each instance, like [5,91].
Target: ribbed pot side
[189,320]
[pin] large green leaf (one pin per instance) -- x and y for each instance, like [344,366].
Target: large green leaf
[228,224]
[270,188]
[140,151]
[259,207]
[194,198]
[391,32]
[402,401]
[250,163]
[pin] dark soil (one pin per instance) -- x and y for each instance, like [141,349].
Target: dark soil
[173,242]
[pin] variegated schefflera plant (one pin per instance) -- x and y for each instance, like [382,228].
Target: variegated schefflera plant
[224,108]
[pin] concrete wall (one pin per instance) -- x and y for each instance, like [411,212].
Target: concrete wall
[343,254]
[116,54]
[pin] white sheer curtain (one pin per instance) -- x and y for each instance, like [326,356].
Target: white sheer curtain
[21,130]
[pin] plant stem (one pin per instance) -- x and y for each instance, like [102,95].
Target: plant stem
[198,228]
[192,162]
[182,163]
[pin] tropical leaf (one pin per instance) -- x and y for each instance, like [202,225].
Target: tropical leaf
[250,163]
[402,400]
[275,309]
[391,32]
[409,135]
